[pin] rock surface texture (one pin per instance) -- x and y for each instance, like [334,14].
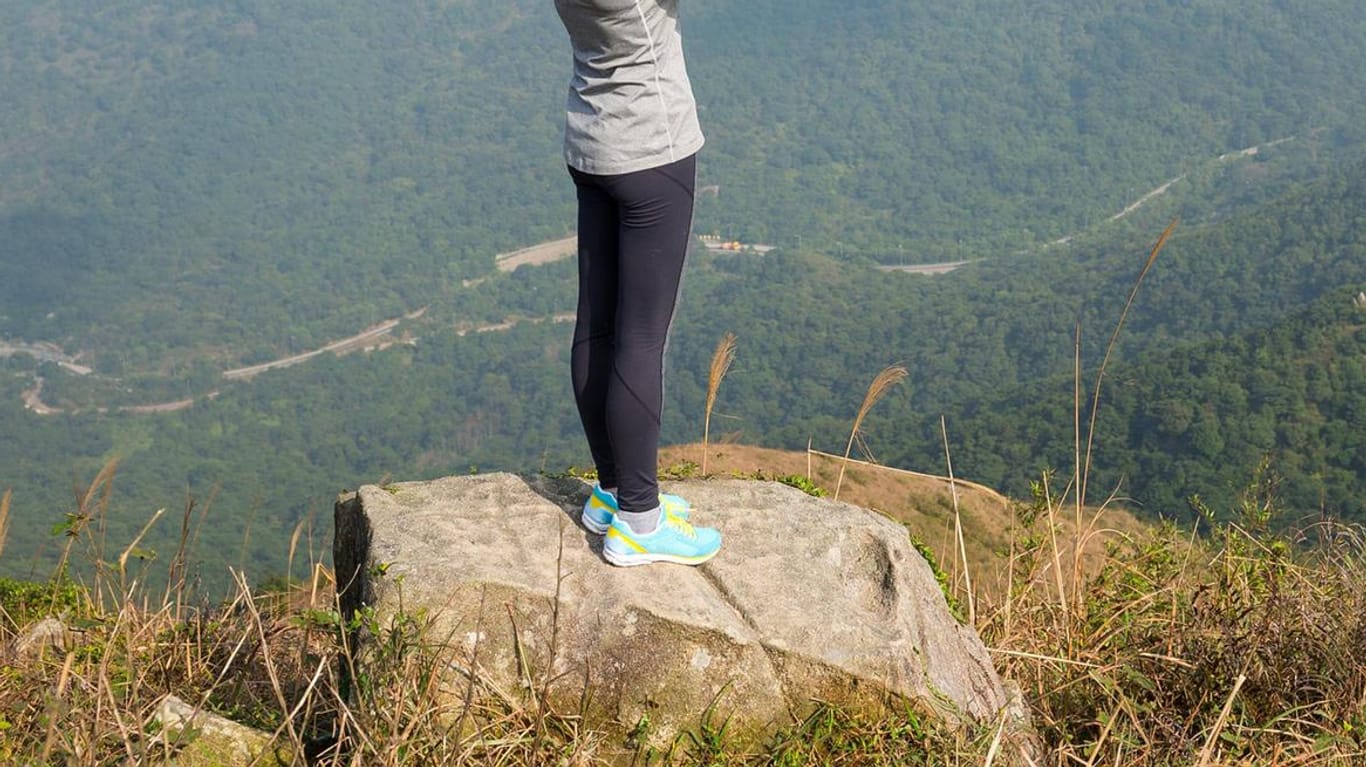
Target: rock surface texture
[808,599]
[48,634]
[201,739]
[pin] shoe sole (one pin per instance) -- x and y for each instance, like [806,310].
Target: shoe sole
[593,526]
[631,560]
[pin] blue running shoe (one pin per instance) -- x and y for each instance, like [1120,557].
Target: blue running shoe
[601,508]
[599,511]
[675,540]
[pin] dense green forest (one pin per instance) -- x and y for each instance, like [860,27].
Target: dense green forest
[1201,420]
[989,347]
[237,181]
[188,188]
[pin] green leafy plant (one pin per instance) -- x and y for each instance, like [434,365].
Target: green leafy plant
[804,484]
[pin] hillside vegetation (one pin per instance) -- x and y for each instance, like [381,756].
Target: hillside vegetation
[191,188]
[189,184]
[199,188]
[1240,647]
[266,454]
[1202,419]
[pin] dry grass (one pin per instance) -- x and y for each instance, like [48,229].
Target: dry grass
[921,501]
[1138,661]
[881,384]
[1239,647]
[1085,464]
[4,519]
[1135,646]
[279,662]
[275,661]
[721,361]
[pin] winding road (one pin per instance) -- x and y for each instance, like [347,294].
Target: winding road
[374,336]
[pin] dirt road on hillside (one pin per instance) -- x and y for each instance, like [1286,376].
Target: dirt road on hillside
[536,255]
[367,337]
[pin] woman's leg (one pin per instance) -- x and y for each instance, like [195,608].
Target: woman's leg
[653,209]
[593,349]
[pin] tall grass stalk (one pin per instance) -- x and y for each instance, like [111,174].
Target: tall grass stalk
[175,573]
[1083,458]
[91,504]
[293,549]
[4,519]
[1085,467]
[958,525]
[132,549]
[1207,752]
[882,383]
[1051,509]
[1076,418]
[721,360]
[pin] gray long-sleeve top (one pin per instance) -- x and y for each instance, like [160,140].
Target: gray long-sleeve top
[631,105]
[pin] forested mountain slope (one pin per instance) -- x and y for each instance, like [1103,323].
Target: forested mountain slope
[1201,420]
[186,188]
[189,184]
[812,332]
[982,127]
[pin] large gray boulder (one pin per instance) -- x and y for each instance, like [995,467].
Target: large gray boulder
[198,738]
[809,599]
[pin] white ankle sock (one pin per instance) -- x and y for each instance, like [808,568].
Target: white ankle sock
[642,522]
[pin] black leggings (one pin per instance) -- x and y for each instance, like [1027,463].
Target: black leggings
[633,235]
